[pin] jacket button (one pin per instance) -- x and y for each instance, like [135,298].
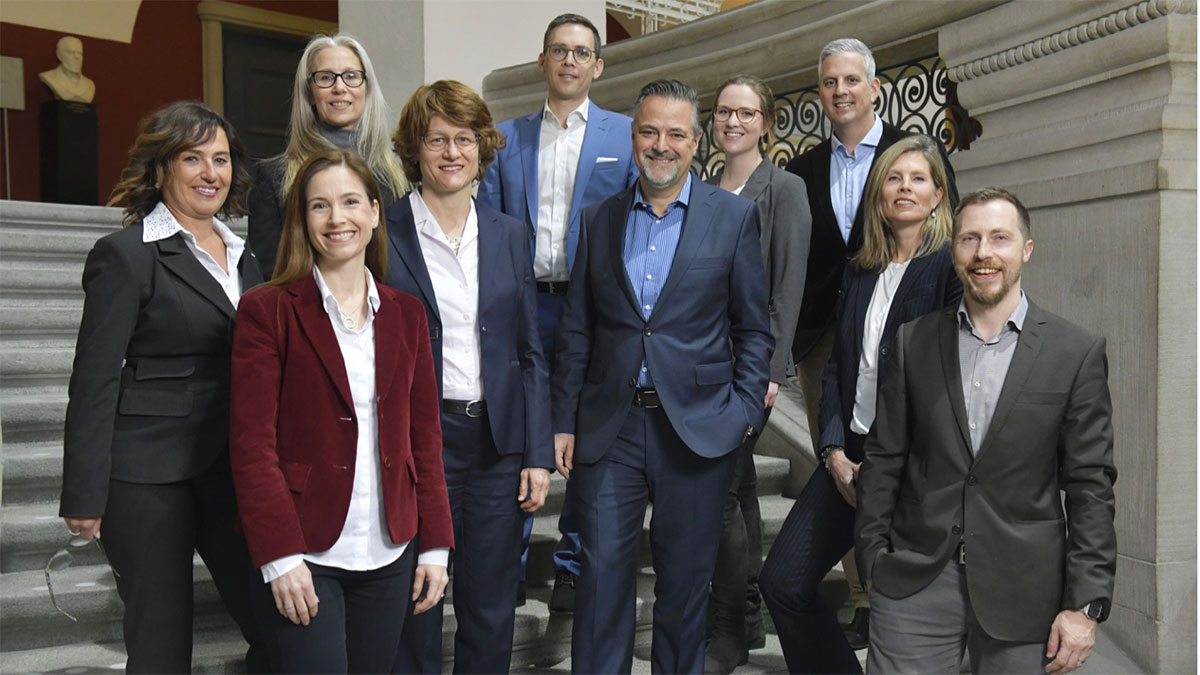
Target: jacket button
[483,329]
[883,350]
[632,382]
[648,332]
[956,530]
[972,480]
[387,463]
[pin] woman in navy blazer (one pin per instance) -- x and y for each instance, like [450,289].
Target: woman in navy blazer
[334,436]
[470,266]
[902,272]
[145,450]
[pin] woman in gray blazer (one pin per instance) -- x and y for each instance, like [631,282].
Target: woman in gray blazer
[146,446]
[743,119]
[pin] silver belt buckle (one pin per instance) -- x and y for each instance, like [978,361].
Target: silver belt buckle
[474,408]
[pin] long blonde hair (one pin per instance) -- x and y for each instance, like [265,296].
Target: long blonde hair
[879,246]
[373,142]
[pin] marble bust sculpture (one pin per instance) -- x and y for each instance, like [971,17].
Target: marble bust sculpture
[67,81]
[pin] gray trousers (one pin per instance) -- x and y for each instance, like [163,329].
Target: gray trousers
[928,631]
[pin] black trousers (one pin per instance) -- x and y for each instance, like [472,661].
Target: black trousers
[358,622]
[819,530]
[739,553]
[482,486]
[151,533]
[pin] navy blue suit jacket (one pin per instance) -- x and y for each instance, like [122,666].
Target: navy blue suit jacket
[515,376]
[605,168]
[707,344]
[929,284]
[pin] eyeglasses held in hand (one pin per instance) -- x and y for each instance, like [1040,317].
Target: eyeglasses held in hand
[325,79]
[744,115]
[439,142]
[63,558]
[559,52]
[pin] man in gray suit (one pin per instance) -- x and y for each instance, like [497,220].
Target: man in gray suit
[987,412]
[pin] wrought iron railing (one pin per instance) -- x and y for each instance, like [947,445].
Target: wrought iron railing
[916,96]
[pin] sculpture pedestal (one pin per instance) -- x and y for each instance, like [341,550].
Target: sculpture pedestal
[69,141]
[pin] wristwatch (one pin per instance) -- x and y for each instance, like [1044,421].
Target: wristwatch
[1094,610]
[825,457]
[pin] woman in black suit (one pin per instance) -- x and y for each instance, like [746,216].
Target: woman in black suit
[470,266]
[145,451]
[902,272]
[743,119]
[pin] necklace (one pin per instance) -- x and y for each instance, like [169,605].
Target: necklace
[455,242]
[349,318]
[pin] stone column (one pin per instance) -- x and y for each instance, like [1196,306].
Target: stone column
[1088,111]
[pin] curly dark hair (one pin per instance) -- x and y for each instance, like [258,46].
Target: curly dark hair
[454,101]
[164,134]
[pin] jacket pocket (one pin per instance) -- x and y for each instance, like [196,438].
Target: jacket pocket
[160,369]
[412,468]
[714,373]
[1042,397]
[295,475]
[155,402]
[709,263]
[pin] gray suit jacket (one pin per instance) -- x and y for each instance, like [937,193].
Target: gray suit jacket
[786,220]
[921,492]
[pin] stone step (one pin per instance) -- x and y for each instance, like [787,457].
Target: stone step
[32,472]
[46,365]
[41,278]
[32,318]
[32,414]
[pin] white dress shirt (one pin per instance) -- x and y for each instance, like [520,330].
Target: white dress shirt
[160,224]
[868,364]
[364,543]
[558,163]
[455,281]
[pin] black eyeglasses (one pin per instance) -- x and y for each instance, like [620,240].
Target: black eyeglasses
[439,142]
[559,52]
[744,115]
[325,79]
[63,558]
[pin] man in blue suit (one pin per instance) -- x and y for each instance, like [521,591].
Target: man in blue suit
[662,367]
[568,155]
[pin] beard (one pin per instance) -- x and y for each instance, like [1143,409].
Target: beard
[989,294]
[665,177]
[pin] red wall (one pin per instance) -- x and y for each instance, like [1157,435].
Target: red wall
[162,64]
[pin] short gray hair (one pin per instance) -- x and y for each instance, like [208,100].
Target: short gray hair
[849,46]
[672,90]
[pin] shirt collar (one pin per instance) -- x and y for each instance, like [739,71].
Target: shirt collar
[871,139]
[159,224]
[581,112]
[685,195]
[1016,320]
[428,225]
[331,303]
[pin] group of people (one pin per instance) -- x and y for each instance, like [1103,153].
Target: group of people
[429,322]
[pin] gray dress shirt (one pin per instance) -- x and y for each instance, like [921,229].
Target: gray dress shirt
[983,365]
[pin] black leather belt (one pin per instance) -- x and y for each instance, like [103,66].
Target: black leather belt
[646,398]
[552,287]
[466,408]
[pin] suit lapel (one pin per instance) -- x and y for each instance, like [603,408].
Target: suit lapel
[758,182]
[593,135]
[178,259]
[1029,343]
[530,128]
[387,323]
[314,321]
[489,247]
[617,217]
[402,236]
[248,269]
[861,302]
[952,373]
[696,222]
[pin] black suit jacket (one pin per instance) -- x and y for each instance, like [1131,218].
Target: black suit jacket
[921,491]
[514,370]
[149,392]
[928,284]
[828,254]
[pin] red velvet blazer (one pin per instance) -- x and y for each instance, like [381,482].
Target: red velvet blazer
[293,427]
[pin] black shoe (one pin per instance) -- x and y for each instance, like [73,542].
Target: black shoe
[520,594]
[724,653]
[857,631]
[563,597]
[756,632]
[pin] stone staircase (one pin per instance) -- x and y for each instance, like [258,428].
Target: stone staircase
[42,250]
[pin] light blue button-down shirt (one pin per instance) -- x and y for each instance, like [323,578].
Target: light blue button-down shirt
[848,176]
[650,242]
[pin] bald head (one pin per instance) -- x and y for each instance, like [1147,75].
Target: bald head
[70,54]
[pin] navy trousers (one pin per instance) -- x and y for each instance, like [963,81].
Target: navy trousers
[648,463]
[483,487]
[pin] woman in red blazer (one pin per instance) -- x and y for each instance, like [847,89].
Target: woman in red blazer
[335,440]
